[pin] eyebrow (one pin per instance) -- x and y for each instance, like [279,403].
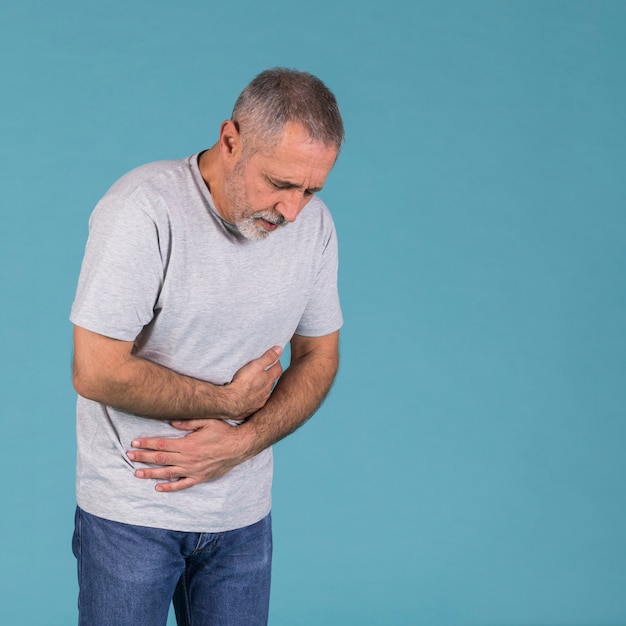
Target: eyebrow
[285,184]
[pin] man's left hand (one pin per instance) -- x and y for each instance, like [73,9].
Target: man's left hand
[209,451]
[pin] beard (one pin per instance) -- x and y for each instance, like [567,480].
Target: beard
[251,226]
[247,221]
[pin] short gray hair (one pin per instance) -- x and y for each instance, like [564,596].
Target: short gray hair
[278,96]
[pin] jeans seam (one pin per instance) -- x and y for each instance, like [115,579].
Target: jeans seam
[186,596]
[79,548]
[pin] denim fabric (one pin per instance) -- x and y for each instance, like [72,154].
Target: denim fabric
[129,574]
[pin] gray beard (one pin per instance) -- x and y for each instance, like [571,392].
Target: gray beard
[250,227]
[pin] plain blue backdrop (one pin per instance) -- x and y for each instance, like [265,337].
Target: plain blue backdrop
[468,467]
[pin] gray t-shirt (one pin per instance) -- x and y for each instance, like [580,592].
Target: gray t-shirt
[162,268]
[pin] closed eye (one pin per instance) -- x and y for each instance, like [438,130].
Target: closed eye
[279,184]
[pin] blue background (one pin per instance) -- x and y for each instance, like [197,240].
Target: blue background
[468,468]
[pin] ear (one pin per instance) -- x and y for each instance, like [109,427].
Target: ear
[230,140]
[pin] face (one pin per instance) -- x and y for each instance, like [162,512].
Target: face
[270,188]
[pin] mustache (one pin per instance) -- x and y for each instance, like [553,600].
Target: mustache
[270,216]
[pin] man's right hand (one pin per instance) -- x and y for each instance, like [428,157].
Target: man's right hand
[252,384]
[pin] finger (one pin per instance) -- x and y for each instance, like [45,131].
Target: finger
[177,485]
[271,357]
[152,457]
[275,370]
[189,424]
[169,472]
[165,444]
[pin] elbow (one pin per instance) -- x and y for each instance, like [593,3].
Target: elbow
[87,382]
[81,381]
[99,366]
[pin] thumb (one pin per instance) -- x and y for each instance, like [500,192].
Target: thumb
[188,424]
[271,356]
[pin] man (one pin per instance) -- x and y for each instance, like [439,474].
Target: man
[197,272]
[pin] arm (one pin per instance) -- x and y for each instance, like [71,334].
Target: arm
[213,447]
[105,370]
[299,393]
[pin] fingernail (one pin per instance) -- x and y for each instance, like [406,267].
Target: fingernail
[139,473]
[135,443]
[131,455]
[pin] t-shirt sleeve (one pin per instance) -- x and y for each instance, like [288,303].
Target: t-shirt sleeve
[322,314]
[122,271]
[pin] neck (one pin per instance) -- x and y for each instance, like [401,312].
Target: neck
[211,171]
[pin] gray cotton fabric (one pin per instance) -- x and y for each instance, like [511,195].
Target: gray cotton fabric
[162,269]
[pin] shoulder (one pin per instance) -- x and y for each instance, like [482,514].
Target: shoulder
[316,221]
[316,213]
[151,189]
[151,177]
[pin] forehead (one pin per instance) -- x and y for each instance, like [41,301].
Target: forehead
[295,154]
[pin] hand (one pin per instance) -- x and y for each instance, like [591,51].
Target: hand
[252,384]
[211,449]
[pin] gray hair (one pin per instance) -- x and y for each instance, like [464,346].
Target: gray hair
[280,95]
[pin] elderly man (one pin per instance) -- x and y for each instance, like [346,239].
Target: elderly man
[196,273]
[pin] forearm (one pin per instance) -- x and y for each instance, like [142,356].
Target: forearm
[106,370]
[144,388]
[298,394]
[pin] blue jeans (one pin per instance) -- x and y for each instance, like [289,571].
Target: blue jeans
[128,575]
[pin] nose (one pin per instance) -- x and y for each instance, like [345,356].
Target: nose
[290,204]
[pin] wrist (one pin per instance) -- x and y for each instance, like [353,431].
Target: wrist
[227,403]
[249,438]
